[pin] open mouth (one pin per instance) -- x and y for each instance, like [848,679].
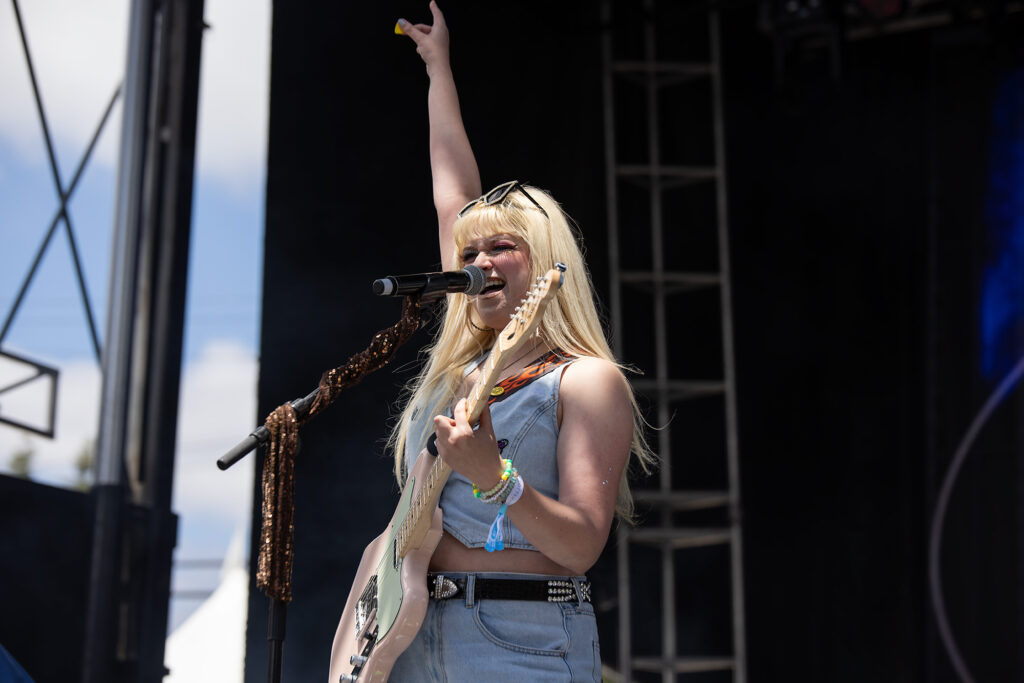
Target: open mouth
[492,286]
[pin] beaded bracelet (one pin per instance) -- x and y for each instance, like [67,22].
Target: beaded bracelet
[516,493]
[497,487]
[506,486]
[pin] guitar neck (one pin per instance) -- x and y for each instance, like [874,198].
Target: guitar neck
[417,522]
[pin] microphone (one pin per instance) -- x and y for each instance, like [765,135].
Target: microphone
[469,280]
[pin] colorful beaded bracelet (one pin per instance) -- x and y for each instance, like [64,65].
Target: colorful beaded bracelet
[501,493]
[497,487]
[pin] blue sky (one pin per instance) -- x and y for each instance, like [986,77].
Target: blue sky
[78,52]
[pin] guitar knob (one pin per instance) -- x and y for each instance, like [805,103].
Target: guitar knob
[357,660]
[348,678]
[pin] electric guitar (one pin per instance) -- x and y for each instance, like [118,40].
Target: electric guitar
[388,599]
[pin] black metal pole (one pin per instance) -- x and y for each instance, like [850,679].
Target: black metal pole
[105,595]
[275,637]
[134,529]
[261,435]
[169,217]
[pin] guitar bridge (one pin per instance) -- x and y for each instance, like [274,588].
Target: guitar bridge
[366,607]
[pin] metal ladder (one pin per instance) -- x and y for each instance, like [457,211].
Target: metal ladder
[656,280]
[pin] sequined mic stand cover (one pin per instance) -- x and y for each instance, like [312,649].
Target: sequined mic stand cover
[274,575]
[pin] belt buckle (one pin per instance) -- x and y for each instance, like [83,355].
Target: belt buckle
[444,588]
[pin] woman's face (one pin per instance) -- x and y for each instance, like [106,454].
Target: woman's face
[505,260]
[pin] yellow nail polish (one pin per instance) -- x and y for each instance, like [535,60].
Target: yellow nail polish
[398,28]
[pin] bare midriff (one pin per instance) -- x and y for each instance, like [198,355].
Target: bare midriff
[452,556]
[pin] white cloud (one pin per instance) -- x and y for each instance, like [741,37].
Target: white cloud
[53,460]
[234,93]
[217,410]
[78,50]
[78,53]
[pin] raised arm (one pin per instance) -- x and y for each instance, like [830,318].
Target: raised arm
[452,164]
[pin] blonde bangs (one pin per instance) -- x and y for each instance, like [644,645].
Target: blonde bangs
[483,221]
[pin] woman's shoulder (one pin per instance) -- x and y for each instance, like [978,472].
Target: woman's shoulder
[586,375]
[595,396]
[587,364]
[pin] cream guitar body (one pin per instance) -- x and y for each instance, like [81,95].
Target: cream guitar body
[383,617]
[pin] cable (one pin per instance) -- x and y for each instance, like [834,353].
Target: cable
[935,540]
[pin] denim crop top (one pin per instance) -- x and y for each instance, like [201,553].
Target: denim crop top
[525,419]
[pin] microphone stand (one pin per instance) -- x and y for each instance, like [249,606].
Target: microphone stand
[260,435]
[381,349]
[277,610]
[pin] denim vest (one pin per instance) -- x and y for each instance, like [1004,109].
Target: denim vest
[526,428]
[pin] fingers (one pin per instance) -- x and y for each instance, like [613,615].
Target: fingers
[485,419]
[436,11]
[404,28]
[460,412]
[445,425]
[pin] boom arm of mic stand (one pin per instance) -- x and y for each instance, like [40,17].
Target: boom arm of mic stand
[261,434]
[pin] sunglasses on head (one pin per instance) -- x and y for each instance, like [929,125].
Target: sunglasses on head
[497,196]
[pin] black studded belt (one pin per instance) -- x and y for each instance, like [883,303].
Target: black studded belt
[442,587]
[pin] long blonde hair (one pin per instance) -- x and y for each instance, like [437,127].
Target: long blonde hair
[570,323]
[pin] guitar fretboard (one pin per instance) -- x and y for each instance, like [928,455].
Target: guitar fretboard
[430,492]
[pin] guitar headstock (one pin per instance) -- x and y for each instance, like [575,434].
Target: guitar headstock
[530,311]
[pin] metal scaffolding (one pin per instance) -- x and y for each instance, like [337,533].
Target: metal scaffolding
[62,216]
[133,529]
[653,281]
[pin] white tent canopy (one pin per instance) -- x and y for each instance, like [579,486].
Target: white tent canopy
[209,646]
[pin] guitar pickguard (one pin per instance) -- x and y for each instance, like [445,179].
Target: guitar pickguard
[389,570]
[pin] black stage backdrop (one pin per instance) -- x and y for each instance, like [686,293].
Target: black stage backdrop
[859,244]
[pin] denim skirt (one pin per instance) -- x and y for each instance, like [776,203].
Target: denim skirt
[517,641]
